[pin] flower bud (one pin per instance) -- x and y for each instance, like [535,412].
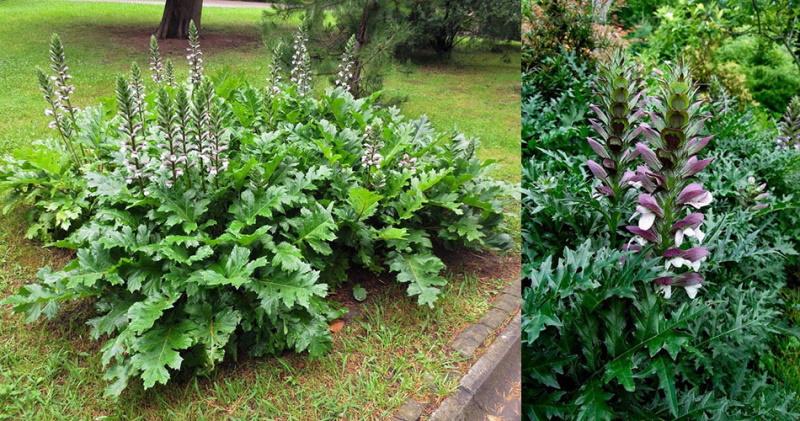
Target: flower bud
[597,170]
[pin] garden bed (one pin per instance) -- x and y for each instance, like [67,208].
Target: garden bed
[389,351]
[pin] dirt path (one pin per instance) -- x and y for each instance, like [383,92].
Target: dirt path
[206,3]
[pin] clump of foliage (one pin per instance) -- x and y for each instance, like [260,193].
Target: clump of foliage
[598,343]
[751,47]
[551,26]
[686,23]
[695,32]
[220,219]
[771,76]
[554,105]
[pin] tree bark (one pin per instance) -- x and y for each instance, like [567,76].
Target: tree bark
[176,18]
[362,39]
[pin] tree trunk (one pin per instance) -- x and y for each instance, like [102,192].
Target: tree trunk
[362,39]
[176,18]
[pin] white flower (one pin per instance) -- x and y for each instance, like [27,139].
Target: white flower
[702,200]
[691,290]
[689,232]
[681,262]
[646,217]
[666,290]
[301,65]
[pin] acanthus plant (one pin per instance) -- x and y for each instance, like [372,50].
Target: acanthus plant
[162,72]
[222,227]
[136,84]
[169,73]
[668,210]
[753,195]
[194,55]
[671,162]
[371,157]
[274,79]
[45,176]
[174,157]
[621,92]
[57,90]
[790,127]
[212,144]
[157,71]
[133,146]
[345,73]
[301,64]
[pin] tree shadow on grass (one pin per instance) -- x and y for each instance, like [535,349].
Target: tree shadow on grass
[136,38]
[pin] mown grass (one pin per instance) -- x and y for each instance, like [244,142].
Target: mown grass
[785,364]
[475,91]
[472,92]
[393,351]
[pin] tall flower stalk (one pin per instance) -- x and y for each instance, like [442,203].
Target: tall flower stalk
[215,144]
[371,158]
[790,126]
[344,73]
[57,90]
[274,79]
[184,129]
[301,64]
[133,146]
[137,93]
[173,157]
[204,126]
[616,123]
[668,214]
[60,119]
[194,56]
[61,77]
[156,64]
[169,73]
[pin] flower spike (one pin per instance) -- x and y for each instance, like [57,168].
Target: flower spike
[790,127]
[669,206]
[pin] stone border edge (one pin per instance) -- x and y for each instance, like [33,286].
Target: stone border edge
[505,304]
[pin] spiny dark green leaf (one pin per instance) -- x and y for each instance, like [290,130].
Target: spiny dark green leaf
[421,272]
[159,350]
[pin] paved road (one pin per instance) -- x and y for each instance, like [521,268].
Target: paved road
[499,397]
[206,3]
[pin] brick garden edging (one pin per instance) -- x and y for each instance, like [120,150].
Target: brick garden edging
[505,305]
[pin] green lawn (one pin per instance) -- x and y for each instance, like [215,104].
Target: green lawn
[393,351]
[785,361]
[475,92]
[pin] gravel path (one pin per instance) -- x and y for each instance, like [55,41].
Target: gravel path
[206,3]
